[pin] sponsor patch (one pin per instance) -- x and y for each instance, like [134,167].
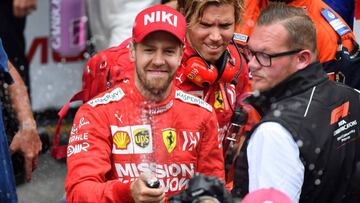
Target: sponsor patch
[169,138]
[219,101]
[173,177]
[161,109]
[77,138]
[191,140]
[77,148]
[139,139]
[339,112]
[142,138]
[197,93]
[118,117]
[346,132]
[188,98]
[240,37]
[121,140]
[114,95]
[82,122]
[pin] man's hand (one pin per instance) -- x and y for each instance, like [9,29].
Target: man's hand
[28,143]
[141,193]
[26,140]
[22,8]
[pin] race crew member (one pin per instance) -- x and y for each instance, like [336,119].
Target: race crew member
[327,36]
[143,128]
[212,67]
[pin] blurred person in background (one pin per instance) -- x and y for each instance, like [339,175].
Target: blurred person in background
[18,118]
[13,15]
[111,20]
[26,141]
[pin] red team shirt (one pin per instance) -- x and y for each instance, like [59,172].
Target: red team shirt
[221,96]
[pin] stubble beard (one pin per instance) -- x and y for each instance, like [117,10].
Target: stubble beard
[152,88]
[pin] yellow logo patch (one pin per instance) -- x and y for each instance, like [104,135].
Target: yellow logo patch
[121,140]
[219,101]
[142,137]
[169,138]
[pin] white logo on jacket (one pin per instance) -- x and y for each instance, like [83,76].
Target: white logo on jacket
[77,148]
[114,95]
[188,98]
[191,140]
[172,176]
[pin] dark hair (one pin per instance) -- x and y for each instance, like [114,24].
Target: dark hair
[301,29]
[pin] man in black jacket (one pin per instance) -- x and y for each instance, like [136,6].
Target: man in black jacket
[307,143]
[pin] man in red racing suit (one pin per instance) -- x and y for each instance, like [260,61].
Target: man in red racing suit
[144,127]
[110,146]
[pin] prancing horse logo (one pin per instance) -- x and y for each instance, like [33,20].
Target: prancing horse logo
[169,138]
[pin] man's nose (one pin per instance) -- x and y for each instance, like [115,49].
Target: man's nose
[253,64]
[159,59]
[215,34]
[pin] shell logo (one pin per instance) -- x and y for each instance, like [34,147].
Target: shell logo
[121,140]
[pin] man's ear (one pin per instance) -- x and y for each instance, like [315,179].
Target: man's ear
[305,57]
[132,51]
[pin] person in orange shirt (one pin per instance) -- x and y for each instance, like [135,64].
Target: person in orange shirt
[327,36]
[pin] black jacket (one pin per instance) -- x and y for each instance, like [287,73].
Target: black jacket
[323,118]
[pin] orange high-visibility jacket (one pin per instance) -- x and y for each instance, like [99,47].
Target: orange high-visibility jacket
[326,36]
